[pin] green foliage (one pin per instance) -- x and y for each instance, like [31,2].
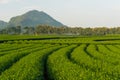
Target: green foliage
[53,57]
[29,67]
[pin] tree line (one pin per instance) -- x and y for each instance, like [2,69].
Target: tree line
[44,29]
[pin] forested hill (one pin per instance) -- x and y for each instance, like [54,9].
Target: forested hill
[32,19]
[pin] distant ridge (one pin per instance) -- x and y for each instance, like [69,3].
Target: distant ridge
[34,18]
[3,24]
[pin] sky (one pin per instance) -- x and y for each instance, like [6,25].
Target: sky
[74,13]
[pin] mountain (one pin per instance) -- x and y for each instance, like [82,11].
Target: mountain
[33,18]
[3,24]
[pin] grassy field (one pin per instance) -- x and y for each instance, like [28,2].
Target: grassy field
[54,57]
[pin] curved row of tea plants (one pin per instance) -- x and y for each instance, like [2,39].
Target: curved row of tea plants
[61,68]
[30,67]
[9,59]
[98,69]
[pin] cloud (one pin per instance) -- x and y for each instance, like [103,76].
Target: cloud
[8,1]
[33,7]
[4,1]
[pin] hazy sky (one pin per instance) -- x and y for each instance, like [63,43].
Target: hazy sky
[83,13]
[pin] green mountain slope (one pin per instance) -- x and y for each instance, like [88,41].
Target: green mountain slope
[33,18]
